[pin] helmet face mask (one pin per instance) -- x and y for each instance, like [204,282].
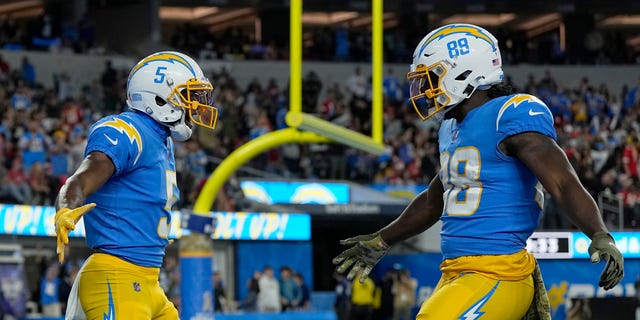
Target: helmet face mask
[426,94]
[197,99]
[171,88]
[449,64]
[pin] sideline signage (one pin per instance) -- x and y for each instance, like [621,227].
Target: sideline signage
[26,220]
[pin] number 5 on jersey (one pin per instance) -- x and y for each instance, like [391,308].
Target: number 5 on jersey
[460,173]
[171,185]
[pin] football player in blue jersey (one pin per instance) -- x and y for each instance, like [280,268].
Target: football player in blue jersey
[496,148]
[128,179]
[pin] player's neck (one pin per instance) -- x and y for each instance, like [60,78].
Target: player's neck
[477,99]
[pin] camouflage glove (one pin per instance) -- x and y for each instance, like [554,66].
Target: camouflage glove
[66,220]
[367,250]
[604,247]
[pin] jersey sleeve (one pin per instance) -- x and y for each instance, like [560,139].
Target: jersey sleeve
[524,113]
[115,143]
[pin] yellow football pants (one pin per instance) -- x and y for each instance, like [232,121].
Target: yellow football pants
[475,296]
[114,289]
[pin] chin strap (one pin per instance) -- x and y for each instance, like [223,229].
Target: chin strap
[181,132]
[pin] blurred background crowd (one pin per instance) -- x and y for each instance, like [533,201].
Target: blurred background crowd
[349,41]
[43,132]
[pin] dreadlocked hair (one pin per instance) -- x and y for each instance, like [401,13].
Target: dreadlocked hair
[500,90]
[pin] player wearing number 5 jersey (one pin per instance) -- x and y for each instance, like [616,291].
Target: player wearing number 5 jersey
[128,179]
[496,149]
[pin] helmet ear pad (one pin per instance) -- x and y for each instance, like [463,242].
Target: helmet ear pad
[151,104]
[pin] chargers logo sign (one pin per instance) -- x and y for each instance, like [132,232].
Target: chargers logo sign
[255,192]
[296,192]
[313,193]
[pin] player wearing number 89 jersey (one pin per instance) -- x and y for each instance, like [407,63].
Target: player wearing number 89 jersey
[495,147]
[128,176]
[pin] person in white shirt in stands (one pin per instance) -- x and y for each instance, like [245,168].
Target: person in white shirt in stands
[269,295]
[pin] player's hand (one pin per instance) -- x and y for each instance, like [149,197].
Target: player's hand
[604,247]
[367,250]
[66,220]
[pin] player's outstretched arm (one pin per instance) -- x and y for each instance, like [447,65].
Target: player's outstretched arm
[93,172]
[550,165]
[367,250]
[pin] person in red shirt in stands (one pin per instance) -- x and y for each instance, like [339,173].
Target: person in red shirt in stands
[16,183]
[630,158]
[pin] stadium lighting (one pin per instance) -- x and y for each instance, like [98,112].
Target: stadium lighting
[334,132]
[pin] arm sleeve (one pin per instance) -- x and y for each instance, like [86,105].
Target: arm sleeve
[531,115]
[115,144]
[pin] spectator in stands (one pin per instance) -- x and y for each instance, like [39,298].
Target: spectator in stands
[49,295]
[362,298]
[4,70]
[269,295]
[166,273]
[28,72]
[630,158]
[386,295]
[630,197]
[21,99]
[404,289]
[342,44]
[66,284]
[392,86]
[305,300]
[342,305]
[290,294]
[64,87]
[109,81]
[311,88]
[250,302]
[174,288]
[359,106]
[5,195]
[208,52]
[59,154]
[39,184]
[16,183]
[195,161]
[34,144]
[219,295]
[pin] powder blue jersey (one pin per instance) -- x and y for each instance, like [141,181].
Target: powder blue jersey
[492,201]
[132,218]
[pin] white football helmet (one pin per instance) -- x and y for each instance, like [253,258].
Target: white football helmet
[167,86]
[449,64]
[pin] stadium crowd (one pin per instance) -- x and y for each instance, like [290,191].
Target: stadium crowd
[341,42]
[43,132]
